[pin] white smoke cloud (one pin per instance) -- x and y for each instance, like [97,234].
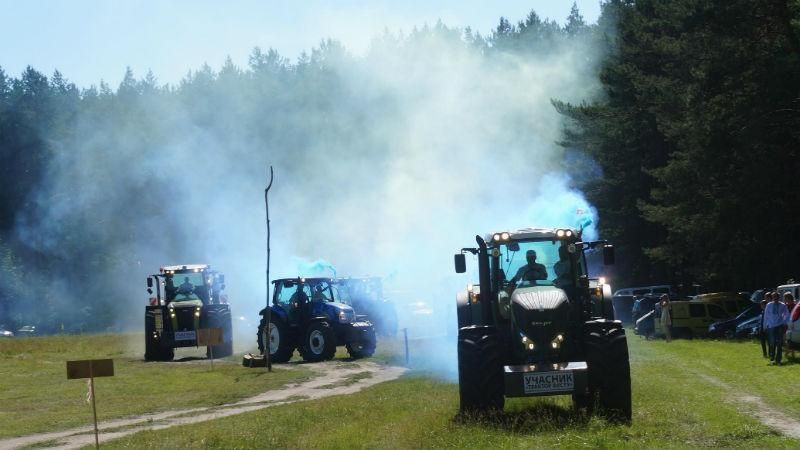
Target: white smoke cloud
[407,155]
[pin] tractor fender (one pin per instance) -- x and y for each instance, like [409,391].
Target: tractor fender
[280,313]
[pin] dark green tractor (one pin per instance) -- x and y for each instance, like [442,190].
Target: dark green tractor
[187,298]
[531,328]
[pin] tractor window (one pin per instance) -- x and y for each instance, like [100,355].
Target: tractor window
[291,294]
[185,287]
[535,263]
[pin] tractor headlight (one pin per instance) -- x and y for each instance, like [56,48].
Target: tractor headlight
[505,236]
[527,343]
[172,315]
[344,317]
[557,341]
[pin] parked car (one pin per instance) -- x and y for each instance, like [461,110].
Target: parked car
[690,318]
[5,333]
[26,330]
[732,302]
[727,328]
[658,289]
[794,289]
[749,328]
[623,306]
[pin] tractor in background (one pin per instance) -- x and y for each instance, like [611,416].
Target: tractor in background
[306,315]
[183,300]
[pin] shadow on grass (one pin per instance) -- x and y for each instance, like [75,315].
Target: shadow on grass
[536,418]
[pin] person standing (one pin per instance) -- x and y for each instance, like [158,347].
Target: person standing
[776,317]
[666,317]
[762,332]
[788,300]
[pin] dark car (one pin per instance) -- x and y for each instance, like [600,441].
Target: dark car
[727,328]
[749,328]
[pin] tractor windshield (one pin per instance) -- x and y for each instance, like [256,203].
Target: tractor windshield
[185,287]
[536,263]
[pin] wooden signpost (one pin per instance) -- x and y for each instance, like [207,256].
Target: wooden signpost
[209,337]
[91,368]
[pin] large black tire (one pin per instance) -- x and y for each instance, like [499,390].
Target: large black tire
[480,370]
[319,342]
[364,347]
[281,349]
[221,319]
[609,375]
[152,349]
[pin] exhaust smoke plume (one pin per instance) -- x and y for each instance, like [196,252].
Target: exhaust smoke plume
[384,164]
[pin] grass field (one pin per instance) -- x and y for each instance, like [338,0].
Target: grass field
[35,395]
[674,407]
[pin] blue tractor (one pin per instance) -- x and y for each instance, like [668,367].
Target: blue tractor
[305,315]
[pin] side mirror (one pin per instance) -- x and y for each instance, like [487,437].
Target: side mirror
[460,262]
[608,255]
[149,284]
[513,246]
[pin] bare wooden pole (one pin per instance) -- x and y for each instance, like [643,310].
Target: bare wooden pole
[94,407]
[268,336]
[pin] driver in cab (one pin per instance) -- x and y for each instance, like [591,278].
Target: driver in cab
[530,272]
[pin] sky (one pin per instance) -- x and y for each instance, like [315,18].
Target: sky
[93,40]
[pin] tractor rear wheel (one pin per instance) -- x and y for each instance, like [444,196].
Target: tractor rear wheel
[364,347]
[609,373]
[276,340]
[480,370]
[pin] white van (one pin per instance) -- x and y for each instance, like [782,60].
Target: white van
[793,288]
[660,289]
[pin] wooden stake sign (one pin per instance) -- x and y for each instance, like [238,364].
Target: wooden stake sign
[209,337]
[91,368]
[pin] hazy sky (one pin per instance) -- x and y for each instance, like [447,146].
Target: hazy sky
[90,40]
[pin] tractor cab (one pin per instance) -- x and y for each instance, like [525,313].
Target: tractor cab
[193,284]
[299,300]
[365,295]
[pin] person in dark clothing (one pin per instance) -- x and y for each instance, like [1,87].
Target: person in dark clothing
[762,334]
[532,271]
[186,287]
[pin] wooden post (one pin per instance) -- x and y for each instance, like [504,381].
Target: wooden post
[94,410]
[405,338]
[268,336]
[90,369]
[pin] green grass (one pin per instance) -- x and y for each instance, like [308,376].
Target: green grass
[35,395]
[673,408]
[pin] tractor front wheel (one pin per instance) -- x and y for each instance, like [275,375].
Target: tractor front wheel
[364,347]
[319,343]
[480,370]
[609,373]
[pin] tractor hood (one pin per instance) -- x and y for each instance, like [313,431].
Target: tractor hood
[541,313]
[185,304]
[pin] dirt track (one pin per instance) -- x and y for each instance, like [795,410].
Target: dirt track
[334,378]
